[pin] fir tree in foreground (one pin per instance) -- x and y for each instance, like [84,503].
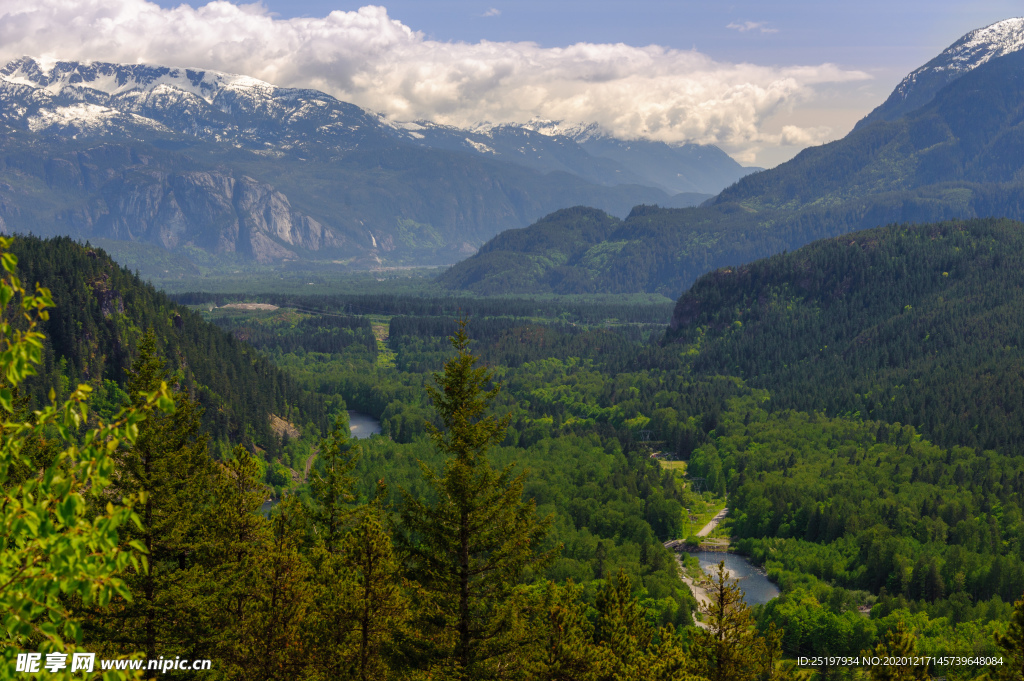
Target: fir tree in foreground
[360,596]
[1011,644]
[729,647]
[169,467]
[470,545]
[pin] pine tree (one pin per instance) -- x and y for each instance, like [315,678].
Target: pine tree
[331,490]
[899,643]
[360,602]
[632,648]
[622,626]
[1012,644]
[729,649]
[469,546]
[169,466]
[228,559]
[374,592]
[267,635]
[567,649]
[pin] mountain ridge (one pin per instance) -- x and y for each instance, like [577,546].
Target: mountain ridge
[975,48]
[960,155]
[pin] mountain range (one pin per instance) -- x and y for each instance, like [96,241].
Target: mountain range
[205,164]
[949,143]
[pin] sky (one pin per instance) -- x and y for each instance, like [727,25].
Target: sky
[760,79]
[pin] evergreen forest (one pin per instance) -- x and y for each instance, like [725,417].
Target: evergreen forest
[181,481]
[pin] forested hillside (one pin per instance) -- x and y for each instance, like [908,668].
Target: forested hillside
[915,324]
[348,579]
[102,312]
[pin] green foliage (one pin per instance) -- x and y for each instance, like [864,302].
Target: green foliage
[898,643]
[470,545]
[868,507]
[426,302]
[286,332]
[51,549]
[1011,645]
[169,468]
[331,487]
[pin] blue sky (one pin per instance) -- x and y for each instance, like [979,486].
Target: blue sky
[863,34]
[760,79]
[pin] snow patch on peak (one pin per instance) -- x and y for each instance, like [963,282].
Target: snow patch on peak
[482,128]
[971,51]
[115,79]
[85,117]
[480,147]
[577,132]
[983,44]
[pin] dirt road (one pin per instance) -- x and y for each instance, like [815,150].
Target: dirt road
[710,527]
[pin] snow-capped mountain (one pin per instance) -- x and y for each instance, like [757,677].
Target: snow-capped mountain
[69,98]
[966,54]
[532,149]
[196,159]
[76,98]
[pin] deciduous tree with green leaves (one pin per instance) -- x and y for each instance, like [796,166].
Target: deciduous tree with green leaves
[51,549]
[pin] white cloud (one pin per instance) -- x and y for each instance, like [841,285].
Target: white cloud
[492,12]
[752,26]
[376,62]
[804,137]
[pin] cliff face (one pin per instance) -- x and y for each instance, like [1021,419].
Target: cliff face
[211,210]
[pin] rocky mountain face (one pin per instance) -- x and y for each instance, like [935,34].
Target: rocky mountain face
[207,209]
[236,167]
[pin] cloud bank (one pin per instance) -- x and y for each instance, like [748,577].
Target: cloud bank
[367,58]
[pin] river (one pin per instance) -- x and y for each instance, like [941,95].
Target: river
[362,425]
[757,588]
